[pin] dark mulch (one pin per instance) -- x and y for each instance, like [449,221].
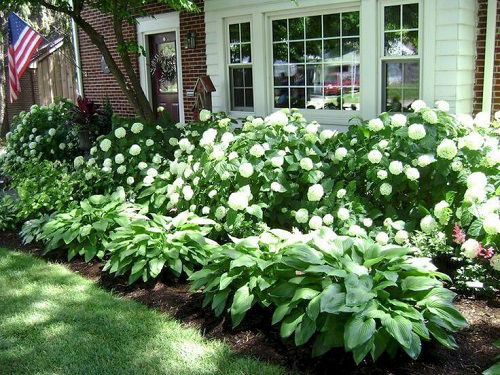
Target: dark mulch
[256,336]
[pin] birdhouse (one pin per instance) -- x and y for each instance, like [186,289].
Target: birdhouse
[203,94]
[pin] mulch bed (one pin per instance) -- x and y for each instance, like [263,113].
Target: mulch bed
[256,337]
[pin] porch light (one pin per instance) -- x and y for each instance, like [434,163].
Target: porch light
[191,39]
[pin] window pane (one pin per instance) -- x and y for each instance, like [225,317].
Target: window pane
[280,53]
[410,16]
[314,75]
[296,28]
[350,49]
[238,98]
[234,33]
[298,98]
[332,50]
[402,81]
[332,79]
[350,24]
[331,25]
[392,17]
[297,75]
[392,44]
[315,98]
[249,98]
[281,98]
[410,43]
[246,53]
[245,32]
[351,98]
[313,27]
[238,77]
[281,75]
[248,77]
[296,52]
[279,31]
[235,53]
[313,50]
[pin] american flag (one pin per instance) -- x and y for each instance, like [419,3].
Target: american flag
[24,42]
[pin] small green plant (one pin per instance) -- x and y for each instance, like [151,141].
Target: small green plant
[9,213]
[32,230]
[339,291]
[147,245]
[84,229]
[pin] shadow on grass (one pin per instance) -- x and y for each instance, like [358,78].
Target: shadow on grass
[53,321]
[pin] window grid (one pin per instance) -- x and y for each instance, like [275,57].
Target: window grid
[337,62]
[240,70]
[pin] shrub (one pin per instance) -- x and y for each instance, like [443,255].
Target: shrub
[84,229]
[45,133]
[344,292]
[9,213]
[147,245]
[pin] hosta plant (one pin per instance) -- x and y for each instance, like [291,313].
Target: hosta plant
[9,213]
[145,246]
[83,229]
[32,230]
[341,292]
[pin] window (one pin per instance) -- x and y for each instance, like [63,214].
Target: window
[316,62]
[400,62]
[240,67]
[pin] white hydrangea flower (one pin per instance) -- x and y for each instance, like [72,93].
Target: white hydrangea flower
[382,174]
[312,128]
[417,105]
[62,146]
[227,138]
[238,201]
[340,153]
[493,157]
[276,187]
[78,162]
[382,238]
[134,150]
[105,145]
[173,141]
[142,165]
[375,125]
[246,170]
[374,156]
[121,169]
[187,192]
[52,132]
[152,172]
[385,189]
[315,193]
[341,193]
[88,175]
[398,120]
[465,120]
[430,116]
[278,118]
[396,167]
[477,179]
[220,212]
[205,210]
[106,169]
[107,162]
[412,174]
[470,248]
[367,222]
[232,155]
[416,131]
[120,132]
[495,261]
[137,128]
[119,159]
[442,105]
[473,141]
[343,213]
[441,209]
[316,222]
[425,160]
[32,145]
[491,224]
[428,224]
[205,115]
[325,135]
[217,153]
[456,166]
[184,144]
[302,216]
[224,123]
[401,237]
[257,150]
[475,194]
[290,128]
[383,144]
[277,161]
[91,162]
[306,164]
[149,142]
[447,149]
[328,219]
[148,180]
[130,180]
[174,198]
[482,120]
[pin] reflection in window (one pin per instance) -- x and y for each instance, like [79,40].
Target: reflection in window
[316,62]
[401,62]
[240,67]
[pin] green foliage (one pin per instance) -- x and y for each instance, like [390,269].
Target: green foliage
[145,246]
[495,369]
[43,133]
[84,229]
[9,215]
[32,230]
[341,291]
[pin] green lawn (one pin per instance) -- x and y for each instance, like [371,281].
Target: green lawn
[53,321]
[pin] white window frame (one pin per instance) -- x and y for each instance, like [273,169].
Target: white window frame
[160,23]
[228,64]
[322,116]
[381,46]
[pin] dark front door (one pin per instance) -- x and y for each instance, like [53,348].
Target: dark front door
[163,64]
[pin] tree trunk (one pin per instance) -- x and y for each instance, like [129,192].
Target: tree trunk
[4,121]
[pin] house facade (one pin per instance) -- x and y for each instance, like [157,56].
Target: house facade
[332,59]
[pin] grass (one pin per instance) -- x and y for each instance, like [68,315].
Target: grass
[53,321]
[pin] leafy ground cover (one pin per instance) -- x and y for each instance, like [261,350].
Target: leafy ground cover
[256,337]
[53,321]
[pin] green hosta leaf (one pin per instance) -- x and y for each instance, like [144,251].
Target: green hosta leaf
[304,330]
[417,283]
[400,328]
[280,313]
[225,280]
[442,336]
[450,314]
[360,352]
[242,302]
[493,370]
[290,323]
[332,299]
[97,200]
[313,307]
[415,346]
[326,341]
[100,225]
[304,293]
[70,235]
[358,331]
[155,266]
[380,340]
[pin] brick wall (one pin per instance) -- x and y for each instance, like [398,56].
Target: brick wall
[480,46]
[98,85]
[28,96]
